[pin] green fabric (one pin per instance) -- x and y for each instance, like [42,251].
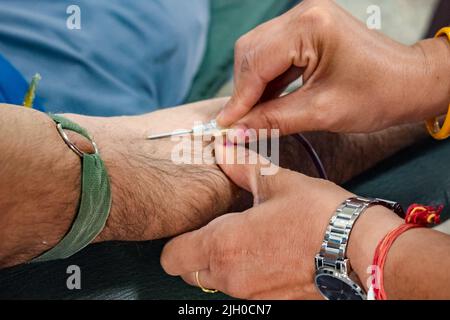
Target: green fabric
[230,19]
[94,205]
[70,125]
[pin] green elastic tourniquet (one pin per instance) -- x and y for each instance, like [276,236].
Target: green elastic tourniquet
[94,206]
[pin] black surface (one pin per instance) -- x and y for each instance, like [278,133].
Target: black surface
[108,271]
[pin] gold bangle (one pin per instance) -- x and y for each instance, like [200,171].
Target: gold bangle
[435,130]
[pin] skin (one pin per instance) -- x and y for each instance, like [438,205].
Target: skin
[356,80]
[40,175]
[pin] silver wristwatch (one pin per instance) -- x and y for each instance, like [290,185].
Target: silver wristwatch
[334,279]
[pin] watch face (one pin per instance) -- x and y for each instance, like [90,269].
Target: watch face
[334,288]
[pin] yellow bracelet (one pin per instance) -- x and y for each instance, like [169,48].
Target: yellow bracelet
[433,125]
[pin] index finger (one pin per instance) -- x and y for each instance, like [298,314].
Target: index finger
[256,67]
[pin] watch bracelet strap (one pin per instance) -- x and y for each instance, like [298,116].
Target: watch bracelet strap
[95,202]
[334,246]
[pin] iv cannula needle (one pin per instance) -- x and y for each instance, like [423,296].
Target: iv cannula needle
[170,134]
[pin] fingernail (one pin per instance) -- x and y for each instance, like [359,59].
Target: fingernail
[226,142]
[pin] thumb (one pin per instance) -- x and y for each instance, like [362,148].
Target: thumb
[251,171]
[292,113]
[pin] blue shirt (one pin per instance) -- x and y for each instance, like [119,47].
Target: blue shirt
[129,57]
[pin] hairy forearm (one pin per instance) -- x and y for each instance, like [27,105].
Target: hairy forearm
[346,155]
[39,184]
[152,197]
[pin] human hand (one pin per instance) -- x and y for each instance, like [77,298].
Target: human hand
[267,251]
[355,79]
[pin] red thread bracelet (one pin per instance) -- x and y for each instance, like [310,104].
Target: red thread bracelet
[417,216]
